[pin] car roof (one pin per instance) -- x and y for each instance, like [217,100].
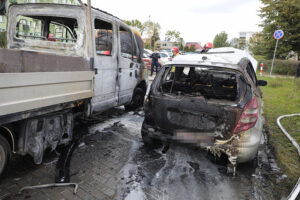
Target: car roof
[217,60]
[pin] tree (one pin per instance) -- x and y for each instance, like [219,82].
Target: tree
[136,24]
[255,44]
[151,27]
[172,36]
[154,38]
[192,48]
[221,40]
[285,15]
[186,48]
[234,43]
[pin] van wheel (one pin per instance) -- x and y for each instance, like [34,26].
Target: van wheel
[137,100]
[4,153]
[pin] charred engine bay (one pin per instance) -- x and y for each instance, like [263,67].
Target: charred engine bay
[111,160]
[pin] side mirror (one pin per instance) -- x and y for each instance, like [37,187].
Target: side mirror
[262,83]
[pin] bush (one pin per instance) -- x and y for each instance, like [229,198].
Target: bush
[282,67]
[2,39]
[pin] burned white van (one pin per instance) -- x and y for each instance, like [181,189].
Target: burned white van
[56,67]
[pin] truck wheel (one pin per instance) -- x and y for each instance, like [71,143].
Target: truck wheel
[4,153]
[137,100]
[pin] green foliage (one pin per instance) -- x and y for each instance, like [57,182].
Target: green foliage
[154,38]
[173,36]
[186,49]
[192,48]
[255,44]
[136,24]
[2,39]
[280,100]
[221,40]
[282,67]
[285,15]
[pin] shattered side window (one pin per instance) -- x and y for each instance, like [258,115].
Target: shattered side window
[126,43]
[251,73]
[46,28]
[29,28]
[103,37]
[200,81]
[60,33]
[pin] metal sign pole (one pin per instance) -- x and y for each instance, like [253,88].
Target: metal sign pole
[274,58]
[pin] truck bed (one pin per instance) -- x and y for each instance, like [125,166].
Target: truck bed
[31,80]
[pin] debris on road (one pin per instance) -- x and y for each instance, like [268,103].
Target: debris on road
[75,185]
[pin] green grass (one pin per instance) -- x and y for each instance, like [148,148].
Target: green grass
[259,57]
[281,97]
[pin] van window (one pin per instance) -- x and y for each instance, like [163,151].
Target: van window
[46,28]
[103,37]
[126,43]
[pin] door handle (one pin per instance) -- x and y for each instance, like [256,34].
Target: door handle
[120,70]
[131,65]
[130,74]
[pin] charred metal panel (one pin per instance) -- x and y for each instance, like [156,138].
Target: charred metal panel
[45,132]
[16,61]
[78,49]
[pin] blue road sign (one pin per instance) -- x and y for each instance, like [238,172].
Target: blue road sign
[278,34]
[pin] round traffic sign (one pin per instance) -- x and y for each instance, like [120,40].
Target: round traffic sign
[278,34]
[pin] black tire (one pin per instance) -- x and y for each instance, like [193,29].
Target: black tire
[150,142]
[137,100]
[4,153]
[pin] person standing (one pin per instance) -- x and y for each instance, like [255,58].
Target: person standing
[175,51]
[155,56]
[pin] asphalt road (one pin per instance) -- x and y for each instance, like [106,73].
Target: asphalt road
[111,162]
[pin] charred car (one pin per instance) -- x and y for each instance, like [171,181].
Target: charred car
[207,100]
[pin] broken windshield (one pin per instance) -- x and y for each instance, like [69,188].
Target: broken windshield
[210,83]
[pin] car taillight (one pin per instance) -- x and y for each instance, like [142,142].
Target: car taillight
[249,116]
[170,59]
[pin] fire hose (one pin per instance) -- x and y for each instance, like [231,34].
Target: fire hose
[293,195]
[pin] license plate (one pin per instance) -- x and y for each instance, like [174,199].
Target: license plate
[194,137]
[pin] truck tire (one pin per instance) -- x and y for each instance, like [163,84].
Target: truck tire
[137,100]
[4,153]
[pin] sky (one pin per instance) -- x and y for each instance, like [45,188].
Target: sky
[196,20]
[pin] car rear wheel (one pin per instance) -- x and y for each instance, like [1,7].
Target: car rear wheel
[137,100]
[4,153]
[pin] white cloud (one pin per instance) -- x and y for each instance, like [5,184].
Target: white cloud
[197,20]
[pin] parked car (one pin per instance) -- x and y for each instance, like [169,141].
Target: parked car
[209,101]
[165,57]
[148,52]
[147,61]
